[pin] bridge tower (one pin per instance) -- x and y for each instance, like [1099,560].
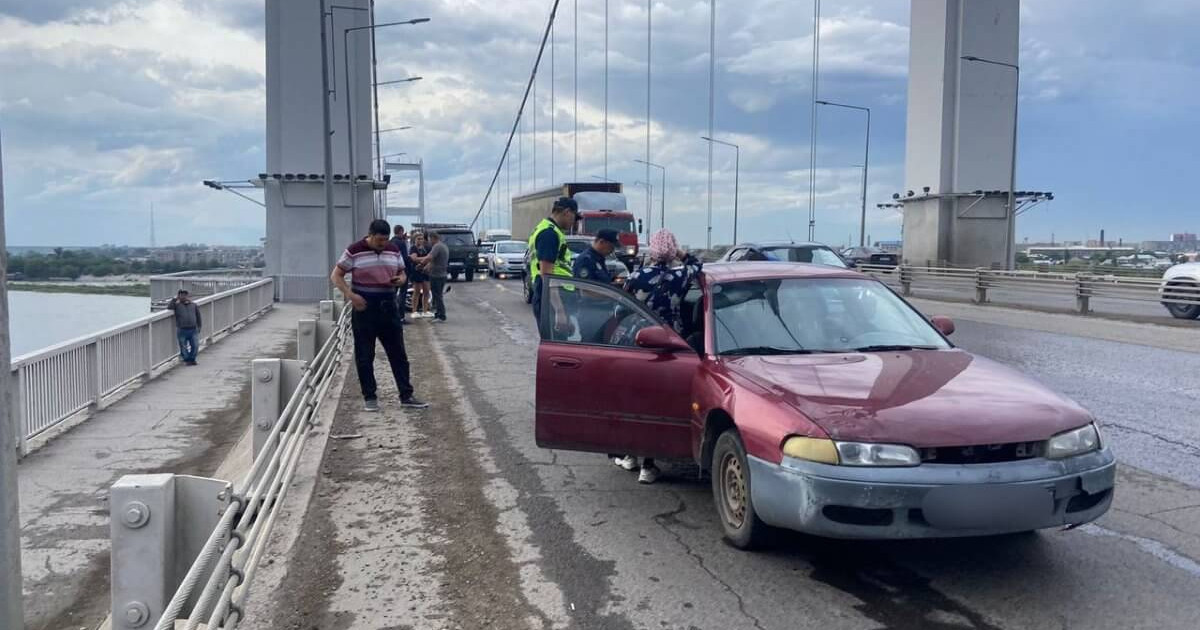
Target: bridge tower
[294,179]
[961,117]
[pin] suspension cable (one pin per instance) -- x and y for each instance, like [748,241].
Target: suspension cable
[520,111]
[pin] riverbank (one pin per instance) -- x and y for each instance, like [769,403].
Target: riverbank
[130,290]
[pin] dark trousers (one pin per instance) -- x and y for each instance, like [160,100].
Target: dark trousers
[188,344]
[380,320]
[438,286]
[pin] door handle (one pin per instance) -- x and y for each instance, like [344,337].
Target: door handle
[565,363]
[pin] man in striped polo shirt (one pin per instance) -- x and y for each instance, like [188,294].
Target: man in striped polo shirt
[376,270]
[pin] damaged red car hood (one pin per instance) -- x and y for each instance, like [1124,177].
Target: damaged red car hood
[923,398]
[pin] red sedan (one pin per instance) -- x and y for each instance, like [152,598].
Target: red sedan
[819,401]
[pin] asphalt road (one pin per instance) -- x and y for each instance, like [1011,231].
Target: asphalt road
[454,518]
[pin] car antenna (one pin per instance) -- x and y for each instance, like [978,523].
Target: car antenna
[789,235]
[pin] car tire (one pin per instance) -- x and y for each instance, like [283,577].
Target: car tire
[1183,311]
[731,493]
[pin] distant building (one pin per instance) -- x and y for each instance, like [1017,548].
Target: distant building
[1078,251]
[1184,237]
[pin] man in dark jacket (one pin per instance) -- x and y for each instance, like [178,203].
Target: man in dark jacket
[187,325]
[400,240]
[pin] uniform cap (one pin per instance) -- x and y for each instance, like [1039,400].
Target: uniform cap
[611,236]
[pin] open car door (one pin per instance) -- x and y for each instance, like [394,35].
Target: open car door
[599,390]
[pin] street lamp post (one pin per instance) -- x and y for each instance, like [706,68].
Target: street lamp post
[11,614]
[649,200]
[662,193]
[862,225]
[737,169]
[350,112]
[1012,172]
[327,142]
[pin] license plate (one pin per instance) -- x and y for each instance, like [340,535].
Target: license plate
[988,507]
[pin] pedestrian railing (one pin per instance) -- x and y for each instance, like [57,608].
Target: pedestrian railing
[1082,286]
[194,564]
[200,283]
[54,384]
[302,288]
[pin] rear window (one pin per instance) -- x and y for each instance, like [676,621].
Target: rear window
[815,255]
[458,238]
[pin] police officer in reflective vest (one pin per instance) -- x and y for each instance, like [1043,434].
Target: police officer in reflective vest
[548,242]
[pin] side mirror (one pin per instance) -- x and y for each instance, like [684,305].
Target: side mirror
[944,324]
[660,338]
[639,226]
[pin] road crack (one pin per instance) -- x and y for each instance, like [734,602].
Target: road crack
[671,517]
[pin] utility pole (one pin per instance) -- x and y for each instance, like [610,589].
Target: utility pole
[153,238]
[11,613]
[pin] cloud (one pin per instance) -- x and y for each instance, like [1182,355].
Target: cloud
[107,106]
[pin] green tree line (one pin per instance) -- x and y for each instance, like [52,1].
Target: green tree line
[73,264]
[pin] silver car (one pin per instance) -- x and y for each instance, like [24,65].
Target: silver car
[508,260]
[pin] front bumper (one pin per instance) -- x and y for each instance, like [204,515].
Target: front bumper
[932,500]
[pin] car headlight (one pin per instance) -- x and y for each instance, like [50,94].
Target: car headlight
[1074,442]
[865,454]
[499,260]
[827,451]
[630,250]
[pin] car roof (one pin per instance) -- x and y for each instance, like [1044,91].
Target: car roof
[517,242]
[765,270]
[782,244]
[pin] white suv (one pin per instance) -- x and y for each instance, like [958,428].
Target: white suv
[1184,281]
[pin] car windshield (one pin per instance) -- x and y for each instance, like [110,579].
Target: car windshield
[510,248]
[817,255]
[459,239]
[485,248]
[799,315]
[592,225]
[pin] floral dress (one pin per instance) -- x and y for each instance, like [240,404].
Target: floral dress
[663,288]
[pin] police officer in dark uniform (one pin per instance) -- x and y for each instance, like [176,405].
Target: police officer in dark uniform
[594,314]
[591,264]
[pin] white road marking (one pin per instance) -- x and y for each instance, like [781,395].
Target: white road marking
[1152,547]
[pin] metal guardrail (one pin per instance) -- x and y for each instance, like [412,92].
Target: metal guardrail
[55,383]
[219,579]
[1082,286]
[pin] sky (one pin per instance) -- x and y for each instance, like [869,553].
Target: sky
[108,107]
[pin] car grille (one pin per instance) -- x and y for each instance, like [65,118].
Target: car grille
[878,259]
[982,454]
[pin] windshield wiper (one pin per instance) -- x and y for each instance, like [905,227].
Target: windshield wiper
[764,350]
[892,348]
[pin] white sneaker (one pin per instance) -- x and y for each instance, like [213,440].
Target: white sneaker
[629,462]
[649,475]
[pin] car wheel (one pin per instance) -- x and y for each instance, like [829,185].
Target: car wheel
[1183,311]
[731,493]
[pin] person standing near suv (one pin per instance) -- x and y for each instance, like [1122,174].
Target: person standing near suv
[376,270]
[438,260]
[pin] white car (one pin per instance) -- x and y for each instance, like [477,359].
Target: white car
[1182,282]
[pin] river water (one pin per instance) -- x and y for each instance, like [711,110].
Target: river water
[38,320]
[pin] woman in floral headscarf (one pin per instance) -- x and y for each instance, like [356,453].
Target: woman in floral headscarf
[662,287]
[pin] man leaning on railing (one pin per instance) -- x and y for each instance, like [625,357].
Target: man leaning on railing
[187,325]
